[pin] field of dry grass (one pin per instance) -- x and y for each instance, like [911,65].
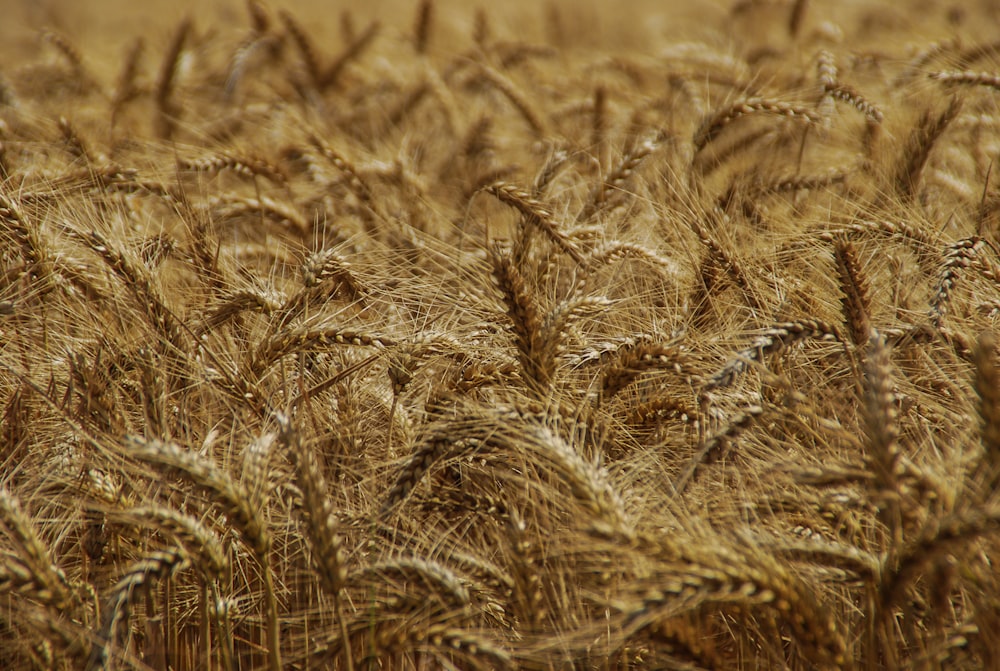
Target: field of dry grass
[421,336]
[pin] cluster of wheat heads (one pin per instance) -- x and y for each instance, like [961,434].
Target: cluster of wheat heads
[436,347]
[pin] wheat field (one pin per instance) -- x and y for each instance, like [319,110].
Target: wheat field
[538,336]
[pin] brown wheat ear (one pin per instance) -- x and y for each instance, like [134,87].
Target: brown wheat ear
[167,109]
[921,142]
[713,125]
[856,301]
[987,385]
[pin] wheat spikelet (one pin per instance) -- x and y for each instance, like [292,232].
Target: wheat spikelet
[713,125]
[139,284]
[327,265]
[857,562]
[256,460]
[445,638]
[524,315]
[75,144]
[729,263]
[260,18]
[17,578]
[659,409]
[856,300]
[746,579]
[423,26]
[433,449]
[527,587]
[356,184]
[600,123]
[22,234]
[235,303]
[883,455]
[258,46]
[239,209]
[246,166]
[235,498]
[438,579]
[65,47]
[588,482]
[797,17]
[614,250]
[556,326]
[239,503]
[851,96]
[795,183]
[615,180]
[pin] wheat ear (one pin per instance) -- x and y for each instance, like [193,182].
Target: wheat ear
[321,522]
[153,566]
[771,341]
[856,301]
[520,102]
[167,109]
[331,76]
[943,536]
[536,215]
[305,338]
[305,47]
[239,504]
[327,551]
[918,147]
[958,256]
[967,77]
[883,457]
[52,585]
[987,385]
[631,362]
[141,286]
[716,446]
[423,26]
[196,539]
[713,125]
